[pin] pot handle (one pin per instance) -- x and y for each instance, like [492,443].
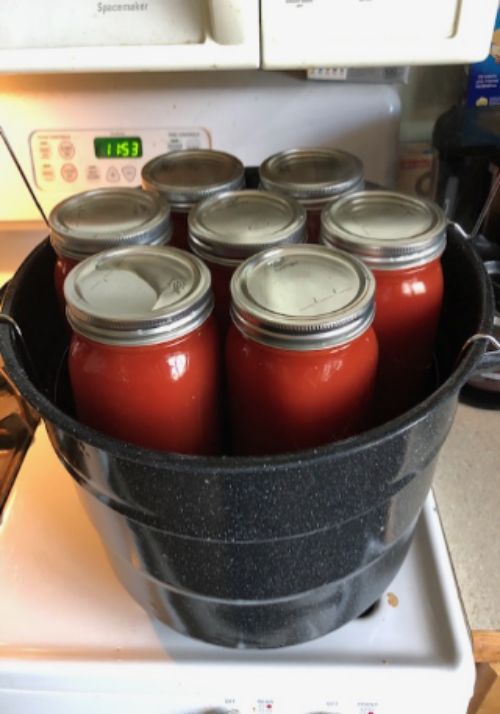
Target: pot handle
[8,320]
[495,187]
[18,421]
[491,358]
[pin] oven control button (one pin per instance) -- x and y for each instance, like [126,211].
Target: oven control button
[112,175]
[69,172]
[48,173]
[93,173]
[66,149]
[129,173]
[45,150]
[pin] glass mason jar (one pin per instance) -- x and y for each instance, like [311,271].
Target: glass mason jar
[301,355]
[186,177]
[314,177]
[401,239]
[104,218]
[144,353]
[227,228]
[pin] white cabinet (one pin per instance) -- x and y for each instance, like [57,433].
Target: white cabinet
[329,33]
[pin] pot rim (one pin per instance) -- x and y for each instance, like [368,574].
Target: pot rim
[227,464]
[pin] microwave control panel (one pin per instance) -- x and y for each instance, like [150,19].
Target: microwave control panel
[70,161]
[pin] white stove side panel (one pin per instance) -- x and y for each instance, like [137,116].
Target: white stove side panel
[251,114]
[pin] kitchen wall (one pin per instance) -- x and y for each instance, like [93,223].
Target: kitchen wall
[430,92]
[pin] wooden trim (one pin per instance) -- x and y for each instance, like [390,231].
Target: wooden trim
[486,699]
[486,645]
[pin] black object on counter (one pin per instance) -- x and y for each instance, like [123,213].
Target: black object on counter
[467,140]
[468,143]
[253,552]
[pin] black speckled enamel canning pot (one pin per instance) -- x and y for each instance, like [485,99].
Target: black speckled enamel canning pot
[252,552]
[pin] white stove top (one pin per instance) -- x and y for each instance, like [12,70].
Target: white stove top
[71,636]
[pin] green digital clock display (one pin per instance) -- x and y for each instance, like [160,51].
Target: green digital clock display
[117,147]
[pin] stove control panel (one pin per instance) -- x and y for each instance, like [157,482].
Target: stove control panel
[346,705]
[70,161]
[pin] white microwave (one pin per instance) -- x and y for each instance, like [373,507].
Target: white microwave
[152,35]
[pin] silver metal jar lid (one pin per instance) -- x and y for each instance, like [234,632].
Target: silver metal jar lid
[302,297]
[313,176]
[231,226]
[138,296]
[106,218]
[187,176]
[386,230]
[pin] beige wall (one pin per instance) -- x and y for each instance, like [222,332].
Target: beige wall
[430,92]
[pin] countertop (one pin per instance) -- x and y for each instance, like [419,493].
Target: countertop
[467,490]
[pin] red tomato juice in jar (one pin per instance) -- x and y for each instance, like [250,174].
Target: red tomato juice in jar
[227,228]
[92,221]
[186,177]
[313,177]
[301,354]
[400,238]
[180,230]
[221,279]
[144,355]
[61,269]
